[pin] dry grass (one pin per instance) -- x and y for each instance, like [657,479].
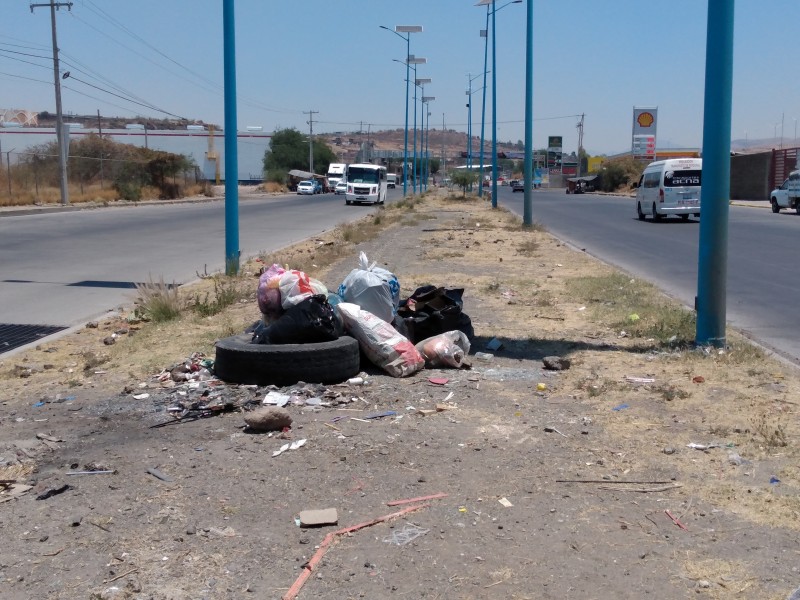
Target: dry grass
[27,195]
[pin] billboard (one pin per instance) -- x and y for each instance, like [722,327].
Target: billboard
[643,135]
[554,149]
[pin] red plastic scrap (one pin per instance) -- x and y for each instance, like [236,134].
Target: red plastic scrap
[438,380]
[419,499]
[675,520]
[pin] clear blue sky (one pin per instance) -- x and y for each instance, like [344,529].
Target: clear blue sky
[598,57]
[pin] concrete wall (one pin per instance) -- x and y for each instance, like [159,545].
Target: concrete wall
[750,175]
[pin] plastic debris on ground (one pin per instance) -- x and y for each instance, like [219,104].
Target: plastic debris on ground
[409,532]
[372,288]
[292,446]
[447,349]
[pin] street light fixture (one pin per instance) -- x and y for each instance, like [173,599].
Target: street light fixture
[408,30]
[493,12]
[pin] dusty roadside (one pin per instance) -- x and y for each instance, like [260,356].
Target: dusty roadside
[573,483]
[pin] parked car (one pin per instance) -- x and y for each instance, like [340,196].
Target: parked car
[517,185]
[307,187]
[341,187]
[317,186]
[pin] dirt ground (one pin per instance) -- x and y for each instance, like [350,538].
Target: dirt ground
[577,483]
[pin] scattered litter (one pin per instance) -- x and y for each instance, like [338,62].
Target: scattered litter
[388,413]
[318,518]
[484,356]
[48,438]
[159,475]
[541,387]
[447,399]
[698,379]
[621,407]
[462,509]
[447,349]
[554,430]
[222,531]
[89,472]
[277,399]
[505,502]
[409,532]
[142,396]
[630,379]
[494,344]
[444,407]
[38,404]
[426,412]
[438,380]
[675,520]
[356,381]
[582,308]
[54,491]
[695,446]
[315,560]
[417,499]
[773,480]
[293,446]
[13,490]
[735,459]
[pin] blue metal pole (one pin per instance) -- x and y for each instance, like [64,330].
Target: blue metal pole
[231,151]
[483,105]
[414,168]
[494,108]
[405,131]
[422,144]
[527,210]
[715,191]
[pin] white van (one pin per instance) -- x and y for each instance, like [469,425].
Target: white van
[670,187]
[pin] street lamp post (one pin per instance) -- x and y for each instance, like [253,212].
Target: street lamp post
[493,12]
[408,30]
[418,83]
[485,36]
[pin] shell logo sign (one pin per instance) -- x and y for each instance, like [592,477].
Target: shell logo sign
[645,119]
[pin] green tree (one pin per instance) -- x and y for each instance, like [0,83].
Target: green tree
[463,178]
[289,150]
[620,172]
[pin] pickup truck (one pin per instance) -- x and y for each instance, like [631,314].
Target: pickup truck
[517,185]
[788,195]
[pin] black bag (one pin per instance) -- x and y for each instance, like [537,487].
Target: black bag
[432,310]
[308,322]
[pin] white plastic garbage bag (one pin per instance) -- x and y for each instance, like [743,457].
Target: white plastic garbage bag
[296,286]
[372,288]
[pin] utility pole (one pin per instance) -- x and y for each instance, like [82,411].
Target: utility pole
[100,135]
[310,122]
[444,161]
[580,143]
[62,142]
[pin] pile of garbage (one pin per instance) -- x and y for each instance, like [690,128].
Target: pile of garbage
[429,328]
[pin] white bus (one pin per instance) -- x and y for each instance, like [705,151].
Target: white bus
[365,183]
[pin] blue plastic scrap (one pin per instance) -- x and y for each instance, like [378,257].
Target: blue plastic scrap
[774,480]
[621,407]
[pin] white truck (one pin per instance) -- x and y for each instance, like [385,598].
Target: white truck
[391,180]
[336,172]
[788,195]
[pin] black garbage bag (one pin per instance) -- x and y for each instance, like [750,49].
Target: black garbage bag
[260,333]
[432,310]
[308,322]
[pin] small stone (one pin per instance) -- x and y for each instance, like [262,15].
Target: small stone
[92,325]
[269,418]
[191,529]
[109,341]
[703,584]
[556,363]
[669,450]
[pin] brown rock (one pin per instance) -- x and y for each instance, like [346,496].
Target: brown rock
[269,418]
[556,363]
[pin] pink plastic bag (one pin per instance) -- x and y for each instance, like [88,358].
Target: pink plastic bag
[268,294]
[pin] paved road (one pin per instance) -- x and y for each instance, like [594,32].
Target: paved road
[66,268]
[762,290]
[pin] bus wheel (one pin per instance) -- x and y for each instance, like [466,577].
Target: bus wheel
[775,207]
[685,217]
[347,202]
[639,212]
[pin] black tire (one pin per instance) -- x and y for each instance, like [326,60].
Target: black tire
[775,207]
[797,208]
[347,202]
[240,361]
[639,212]
[685,217]
[696,215]
[656,216]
